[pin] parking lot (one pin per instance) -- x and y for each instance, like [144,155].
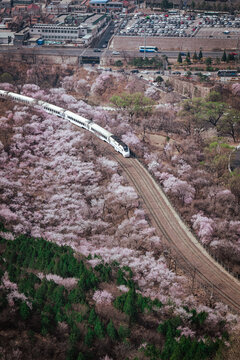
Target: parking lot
[156,25]
[164,25]
[215,32]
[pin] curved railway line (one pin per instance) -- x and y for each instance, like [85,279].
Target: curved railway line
[168,223]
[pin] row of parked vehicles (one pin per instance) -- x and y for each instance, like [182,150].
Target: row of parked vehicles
[177,25]
[157,25]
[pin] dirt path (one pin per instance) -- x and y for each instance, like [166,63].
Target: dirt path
[168,224]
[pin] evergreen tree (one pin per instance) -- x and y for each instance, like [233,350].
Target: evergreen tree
[129,306]
[200,55]
[224,57]
[74,335]
[159,79]
[73,266]
[111,331]
[24,311]
[89,337]
[72,353]
[188,60]
[123,332]
[58,296]
[208,61]
[51,287]
[81,268]
[81,356]
[76,296]
[45,321]
[120,278]
[92,317]
[195,57]
[98,329]
[152,352]
[230,57]
[179,59]
[41,293]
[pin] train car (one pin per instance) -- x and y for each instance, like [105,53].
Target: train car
[100,132]
[22,98]
[3,93]
[52,109]
[77,119]
[119,146]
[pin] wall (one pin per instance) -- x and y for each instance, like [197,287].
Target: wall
[41,59]
[173,44]
[188,88]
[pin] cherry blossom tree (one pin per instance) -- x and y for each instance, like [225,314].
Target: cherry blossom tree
[102,297]
[236,89]
[101,83]
[152,93]
[184,191]
[204,227]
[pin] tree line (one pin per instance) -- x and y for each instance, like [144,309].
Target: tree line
[49,304]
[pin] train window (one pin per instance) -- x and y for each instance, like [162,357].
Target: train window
[100,134]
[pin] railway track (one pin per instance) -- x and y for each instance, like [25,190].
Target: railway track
[168,224]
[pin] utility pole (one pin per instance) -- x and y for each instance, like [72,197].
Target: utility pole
[238,50]
[145,42]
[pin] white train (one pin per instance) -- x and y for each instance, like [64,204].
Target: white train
[78,120]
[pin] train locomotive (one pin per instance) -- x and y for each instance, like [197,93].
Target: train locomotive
[75,119]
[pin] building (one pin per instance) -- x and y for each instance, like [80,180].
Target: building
[78,6]
[108,6]
[58,32]
[96,23]
[5,36]
[114,6]
[21,37]
[78,28]
[33,9]
[5,4]
[58,7]
[22,2]
[98,6]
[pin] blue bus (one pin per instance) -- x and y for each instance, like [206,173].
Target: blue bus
[148,49]
[227,73]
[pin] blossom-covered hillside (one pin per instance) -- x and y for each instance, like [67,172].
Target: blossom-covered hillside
[101,274]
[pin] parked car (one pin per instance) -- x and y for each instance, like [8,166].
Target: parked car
[134,71]
[97,50]
[116,53]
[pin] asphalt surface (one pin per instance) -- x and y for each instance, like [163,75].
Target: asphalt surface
[75,51]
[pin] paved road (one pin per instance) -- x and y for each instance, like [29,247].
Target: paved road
[167,223]
[76,51]
[103,41]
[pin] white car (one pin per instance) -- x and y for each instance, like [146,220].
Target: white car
[116,53]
